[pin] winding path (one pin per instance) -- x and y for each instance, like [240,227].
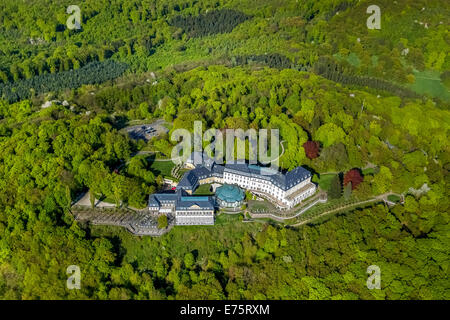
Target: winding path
[319,199]
[380,197]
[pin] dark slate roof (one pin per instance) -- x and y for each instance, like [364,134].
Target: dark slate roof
[186,202]
[283,181]
[296,176]
[156,199]
[238,167]
[181,200]
[201,173]
[217,170]
[189,180]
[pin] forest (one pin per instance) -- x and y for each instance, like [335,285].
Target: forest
[63,152]
[344,98]
[220,21]
[92,73]
[152,35]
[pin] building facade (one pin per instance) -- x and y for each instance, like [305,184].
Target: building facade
[229,196]
[283,190]
[186,209]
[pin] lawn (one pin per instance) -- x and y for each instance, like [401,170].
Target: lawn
[163,168]
[352,58]
[325,181]
[393,198]
[204,190]
[224,219]
[429,82]
[105,199]
[260,206]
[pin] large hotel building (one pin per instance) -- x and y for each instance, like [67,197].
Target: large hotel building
[283,190]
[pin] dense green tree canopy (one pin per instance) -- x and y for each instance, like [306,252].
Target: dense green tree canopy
[308,68]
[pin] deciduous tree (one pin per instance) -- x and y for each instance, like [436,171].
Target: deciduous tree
[311,149]
[354,177]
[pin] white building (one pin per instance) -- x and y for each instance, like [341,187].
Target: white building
[284,190]
[187,210]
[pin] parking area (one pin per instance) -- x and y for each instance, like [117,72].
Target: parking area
[147,131]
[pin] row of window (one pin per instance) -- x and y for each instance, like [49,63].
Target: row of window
[304,195]
[195,213]
[257,184]
[195,221]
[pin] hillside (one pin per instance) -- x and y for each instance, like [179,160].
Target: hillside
[149,35]
[343,97]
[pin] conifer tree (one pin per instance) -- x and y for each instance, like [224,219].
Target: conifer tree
[348,191]
[335,188]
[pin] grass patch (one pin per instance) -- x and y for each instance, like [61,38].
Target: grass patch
[393,198]
[429,82]
[340,205]
[351,58]
[106,199]
[260,206]
[204,190]
[163,168]
[224,219]
[325,181]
